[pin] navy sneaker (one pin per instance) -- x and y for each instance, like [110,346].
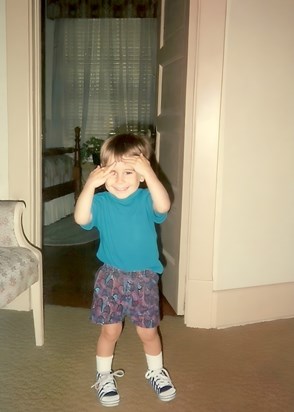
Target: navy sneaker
[162,384]
[106,388]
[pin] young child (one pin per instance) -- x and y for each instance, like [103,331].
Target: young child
[127,282]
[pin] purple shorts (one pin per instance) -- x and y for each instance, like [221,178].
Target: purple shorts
[118,294]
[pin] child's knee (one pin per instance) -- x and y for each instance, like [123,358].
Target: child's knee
[111,332]
[147,334]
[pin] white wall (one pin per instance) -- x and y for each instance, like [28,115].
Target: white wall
[255,200]
[3,106]
[241,226]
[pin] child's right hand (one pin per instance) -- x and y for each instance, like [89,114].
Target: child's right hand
[99,175]
[96,179]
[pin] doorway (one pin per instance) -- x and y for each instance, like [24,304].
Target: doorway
[68,271]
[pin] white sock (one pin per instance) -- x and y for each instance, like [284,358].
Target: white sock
[103,363]
[154,362]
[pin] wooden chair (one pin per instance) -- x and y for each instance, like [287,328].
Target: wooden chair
[20,264]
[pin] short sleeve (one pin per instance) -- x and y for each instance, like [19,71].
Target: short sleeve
[159,217]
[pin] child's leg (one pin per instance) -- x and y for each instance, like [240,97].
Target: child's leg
[106,385]
[110,313]
[152,347]
[105,346]
[157,376]
[150,339]
[107,339]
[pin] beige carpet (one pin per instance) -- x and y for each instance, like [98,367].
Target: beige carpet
[249,368]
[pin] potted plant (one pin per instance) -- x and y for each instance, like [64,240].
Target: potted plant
[91,149]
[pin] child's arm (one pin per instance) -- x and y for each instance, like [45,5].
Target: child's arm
[159,195]
[97,178]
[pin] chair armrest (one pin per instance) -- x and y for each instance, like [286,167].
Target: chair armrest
[19,231]
[12,233]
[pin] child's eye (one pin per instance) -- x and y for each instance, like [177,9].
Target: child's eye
[129,172]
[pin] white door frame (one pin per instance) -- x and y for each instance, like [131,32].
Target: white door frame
[24,110]
[23,57]
[170,142]
[206,32]
[203,101]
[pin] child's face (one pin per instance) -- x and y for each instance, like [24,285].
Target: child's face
[124,181]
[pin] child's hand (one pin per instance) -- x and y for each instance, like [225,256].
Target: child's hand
[140,164]
[99,175]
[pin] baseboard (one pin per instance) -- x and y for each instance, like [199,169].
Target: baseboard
[206,308]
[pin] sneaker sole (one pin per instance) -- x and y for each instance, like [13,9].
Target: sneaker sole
[167,398]
[109,400]
[109,404]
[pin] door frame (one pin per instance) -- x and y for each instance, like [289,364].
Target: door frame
[200,150]
[206,42]
[172,50]
[24,110]
[187,189]
[23,45]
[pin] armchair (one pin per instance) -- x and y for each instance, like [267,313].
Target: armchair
[20,264]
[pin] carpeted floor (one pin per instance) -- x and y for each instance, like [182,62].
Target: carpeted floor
[241,369]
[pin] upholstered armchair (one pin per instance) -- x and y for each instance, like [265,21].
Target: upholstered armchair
[20,264]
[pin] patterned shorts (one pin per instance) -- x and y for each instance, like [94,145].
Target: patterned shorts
[118,294]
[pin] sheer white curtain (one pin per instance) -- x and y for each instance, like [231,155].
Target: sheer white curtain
[104,77]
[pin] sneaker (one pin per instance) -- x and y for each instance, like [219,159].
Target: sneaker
[105,386]
[160,381]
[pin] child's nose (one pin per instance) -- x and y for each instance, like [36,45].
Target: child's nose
[119,177]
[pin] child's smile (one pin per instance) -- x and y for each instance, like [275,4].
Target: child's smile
[123,182]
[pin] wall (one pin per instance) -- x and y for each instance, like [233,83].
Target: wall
[255,200]
[3,105]
[241,215]
[23,116]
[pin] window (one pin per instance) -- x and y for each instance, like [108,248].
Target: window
[104,76]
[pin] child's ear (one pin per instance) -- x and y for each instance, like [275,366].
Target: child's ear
[142,179]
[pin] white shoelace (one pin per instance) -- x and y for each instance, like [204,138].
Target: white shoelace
[160,378]
[106,381]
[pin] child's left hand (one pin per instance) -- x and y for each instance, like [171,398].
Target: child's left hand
[140,164]
[159,195]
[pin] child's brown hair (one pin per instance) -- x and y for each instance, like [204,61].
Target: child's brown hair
[125,145]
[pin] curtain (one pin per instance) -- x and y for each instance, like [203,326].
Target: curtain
[104,73]
[57,9]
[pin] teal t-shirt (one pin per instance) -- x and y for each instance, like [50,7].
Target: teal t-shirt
[128,238]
